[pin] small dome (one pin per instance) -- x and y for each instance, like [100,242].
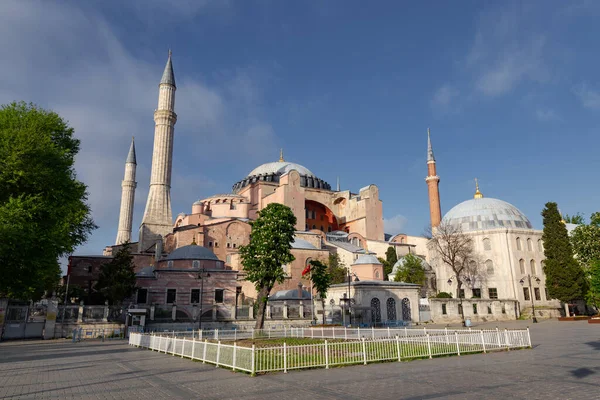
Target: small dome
[192,252]
[486,213]
[280,168]
[366,259]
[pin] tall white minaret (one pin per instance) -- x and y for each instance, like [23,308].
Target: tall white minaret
[127,197]
[158,218]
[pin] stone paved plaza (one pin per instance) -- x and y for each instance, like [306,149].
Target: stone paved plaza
[564,364]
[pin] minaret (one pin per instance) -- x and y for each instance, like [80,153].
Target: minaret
[158,218]
[127,197]
[433,182]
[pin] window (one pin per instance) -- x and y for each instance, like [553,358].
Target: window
[234,245]
[196,264]
[532,266]
[228,258]
[209,244]
[526,293]
[195,298]
[314,227]
[219,294]
[461,294]
[171,295]
[536,293]
[489,309]
[460,308]
[493,293]
[228,245]
[503,308]
[487,245]
[489,264]
[323,230]
[519,247]
[216,244]
[522,266]
[142,296]
[477,293]
[529,244]
[170,264]
[540,246]
[444,310]
[89,269]
[286,270]
[474,308]
[376,274]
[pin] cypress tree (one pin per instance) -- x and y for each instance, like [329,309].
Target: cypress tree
[565,278]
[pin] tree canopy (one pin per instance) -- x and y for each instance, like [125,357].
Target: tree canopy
[336,269]
[411,270]
[391,258]
[43,207]
[593,295]
[574,219]
[268,250]
[586,241]
[117,278]
[565,279]
[321,280]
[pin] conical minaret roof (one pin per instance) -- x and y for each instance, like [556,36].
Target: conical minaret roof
[168,76]
[131,156]
[430,156]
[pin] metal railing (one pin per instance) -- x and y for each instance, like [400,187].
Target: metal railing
[340,346]
[79,334]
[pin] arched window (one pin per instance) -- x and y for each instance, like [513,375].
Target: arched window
[406,309]
[170,264]
[376,274]
[532,266]
[540,245]
[489,264]
[391,309]
[375,310]
[522,266]
[196,264]
[529,244]
[519,247]
[487,245]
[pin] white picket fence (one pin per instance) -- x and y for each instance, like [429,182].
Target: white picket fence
[347,347]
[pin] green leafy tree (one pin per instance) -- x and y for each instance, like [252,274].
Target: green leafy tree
[593,295]
[565,279]
[43,207]
[268,250]
[574,219]
[391,257]
[75,292]
[117,278]
[411,270]
[443,295]
[386,265]
[336,269]
[321,281]
[586,241]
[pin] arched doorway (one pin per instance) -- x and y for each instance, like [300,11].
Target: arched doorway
[406,316]
[391,309]
[375,311]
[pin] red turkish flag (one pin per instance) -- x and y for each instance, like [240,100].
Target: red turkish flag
[306,270]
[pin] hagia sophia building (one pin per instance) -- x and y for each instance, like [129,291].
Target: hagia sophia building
[329,221]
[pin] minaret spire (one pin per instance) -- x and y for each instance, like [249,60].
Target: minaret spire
[478,194]
[281,155]
[158,217]
[338,183]
[127,197]
[433,182]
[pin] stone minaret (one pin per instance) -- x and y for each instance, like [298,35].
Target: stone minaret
[433,182]
[158,219]
[127,198]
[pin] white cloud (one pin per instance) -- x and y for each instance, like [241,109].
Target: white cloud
[589,98]
[546,114]
[444,96]
[395,224]
[71,61]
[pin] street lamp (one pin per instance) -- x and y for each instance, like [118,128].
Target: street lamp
[346,301]
[201,275]
[522,282]
[462,311]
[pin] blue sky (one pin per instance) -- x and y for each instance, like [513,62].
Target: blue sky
[348,88]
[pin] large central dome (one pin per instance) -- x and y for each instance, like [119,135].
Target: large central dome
[270,172]
[486,213]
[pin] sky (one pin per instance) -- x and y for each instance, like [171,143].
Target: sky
[510,91]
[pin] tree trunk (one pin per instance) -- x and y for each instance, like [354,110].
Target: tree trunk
[263,295]
[462,309]
[323,307]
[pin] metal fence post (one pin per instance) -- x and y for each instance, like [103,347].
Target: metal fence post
[389,332]
[529,338]
[358,332]
[498,337]
[235,334]
[284,358]
[218,351]
[253,368]
[234,354]
[483,341]
[372,332]
[506,339]
[429,346]
[405,332]
[364,350]
[326,355]
[398,348]
[457,345]
[204,351]
[193,347]
[182,347]
[345,333]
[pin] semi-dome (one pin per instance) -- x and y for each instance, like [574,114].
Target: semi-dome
[192,252]
[486,213]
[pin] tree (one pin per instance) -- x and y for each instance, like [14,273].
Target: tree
[574,219]
[586,241]
[391,257]
[43,207]
[386,266]
[336,269]
[117,278]
[411,270]
[320,279]
[269,249]
[593,295]
[454,249]
[565,279]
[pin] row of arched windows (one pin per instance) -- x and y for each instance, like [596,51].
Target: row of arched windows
[487,244]
[532,267]
[390,308]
